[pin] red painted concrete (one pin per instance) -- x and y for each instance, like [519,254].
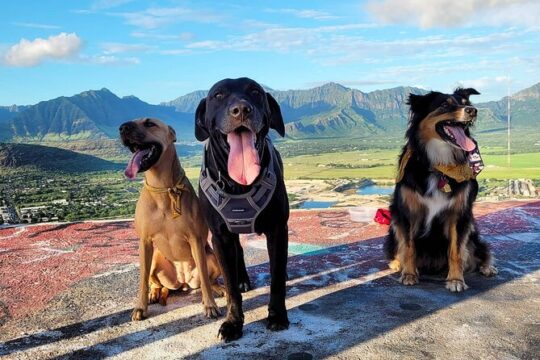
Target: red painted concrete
[39,262]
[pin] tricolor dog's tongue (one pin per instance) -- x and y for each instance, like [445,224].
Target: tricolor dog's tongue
[462,140]
[243,164]
[135,163]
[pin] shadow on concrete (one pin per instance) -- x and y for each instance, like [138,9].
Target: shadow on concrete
[378,306]
[65,332]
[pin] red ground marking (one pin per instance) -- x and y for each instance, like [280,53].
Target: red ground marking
[39,262]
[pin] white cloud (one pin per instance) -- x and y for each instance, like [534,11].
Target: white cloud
[451,13]
[485,82]
[175,52]
[108,4]
[36,25]
[154,18]
[352,83]
[342,44]
[110,60]
[33,52]
[115,48]
[183,36]
[305,13]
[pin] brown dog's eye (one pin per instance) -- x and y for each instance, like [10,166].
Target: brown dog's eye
[149,124]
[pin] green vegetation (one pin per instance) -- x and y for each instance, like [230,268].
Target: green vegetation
[376,158]
[333,132]
[67,196]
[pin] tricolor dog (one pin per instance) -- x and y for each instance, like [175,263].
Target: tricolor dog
[433,227]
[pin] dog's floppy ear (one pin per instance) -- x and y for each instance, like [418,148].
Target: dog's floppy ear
[172,133]
[465,93]
[201,132]
[276,120]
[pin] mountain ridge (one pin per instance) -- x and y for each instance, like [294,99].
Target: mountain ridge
[329,110]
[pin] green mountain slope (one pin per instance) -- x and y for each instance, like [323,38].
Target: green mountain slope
[89,115]
[50,158]
[327,111]
[524,109]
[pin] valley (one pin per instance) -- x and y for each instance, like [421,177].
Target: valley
[60,159]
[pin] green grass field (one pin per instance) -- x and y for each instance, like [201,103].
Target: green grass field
[381,164]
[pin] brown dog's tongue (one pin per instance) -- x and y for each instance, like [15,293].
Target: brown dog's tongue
[135,163]
[463,141]
[243,163]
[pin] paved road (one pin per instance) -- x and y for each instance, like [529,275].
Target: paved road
[66,291]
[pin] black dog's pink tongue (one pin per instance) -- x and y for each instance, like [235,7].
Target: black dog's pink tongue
[135,163]
[462,140]
[243,163]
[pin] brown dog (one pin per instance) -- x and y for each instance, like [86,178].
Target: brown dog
[173,247]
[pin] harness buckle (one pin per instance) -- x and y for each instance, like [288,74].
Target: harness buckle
[220,183]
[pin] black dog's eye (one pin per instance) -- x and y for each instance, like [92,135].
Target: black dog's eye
[219,95]
[255,92]
[445,105]
[149,124]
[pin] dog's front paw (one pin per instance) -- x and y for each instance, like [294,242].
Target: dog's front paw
[409,279]
[230,330]
[218,290]
[211,311]
[138,314]
[277,322]
[488,270]
[456,285]
[153,296]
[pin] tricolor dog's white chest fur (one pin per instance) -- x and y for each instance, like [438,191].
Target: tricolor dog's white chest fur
[434,200]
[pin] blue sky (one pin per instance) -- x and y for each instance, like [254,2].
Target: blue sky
[159,50]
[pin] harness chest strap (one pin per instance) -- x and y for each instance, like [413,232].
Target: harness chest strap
[239,211]
[175,194]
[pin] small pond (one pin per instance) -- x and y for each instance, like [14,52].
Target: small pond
[317,204]
[375,190]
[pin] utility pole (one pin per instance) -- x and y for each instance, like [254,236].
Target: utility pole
[508,163]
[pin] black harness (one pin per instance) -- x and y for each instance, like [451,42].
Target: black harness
[239,211]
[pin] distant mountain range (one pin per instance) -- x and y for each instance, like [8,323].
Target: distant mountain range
[327,111]
[93,114]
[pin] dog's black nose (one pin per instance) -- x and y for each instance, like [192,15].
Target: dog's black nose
[471,110]
[126,127]
[240,108]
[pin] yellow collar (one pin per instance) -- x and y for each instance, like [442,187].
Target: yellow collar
[459,173]
[175,194]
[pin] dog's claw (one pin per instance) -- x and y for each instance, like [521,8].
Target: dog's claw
[230,331]
[456,285]
[277,322]
[211,312]
[244,286]
[409,279]
[153,297]
[138,315]
[218,290]
[488,270]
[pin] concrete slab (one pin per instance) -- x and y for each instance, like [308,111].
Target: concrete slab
[66,291]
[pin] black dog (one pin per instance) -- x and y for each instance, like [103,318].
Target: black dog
[433,227]
[241,190]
